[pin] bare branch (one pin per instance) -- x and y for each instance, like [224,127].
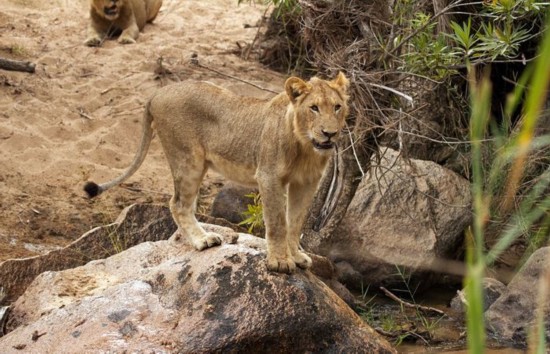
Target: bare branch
[408,304]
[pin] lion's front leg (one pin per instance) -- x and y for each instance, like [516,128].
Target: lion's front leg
[129,34]
[279,258]
[299,197]
[94,37]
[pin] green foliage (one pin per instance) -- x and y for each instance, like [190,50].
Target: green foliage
[495,32]
[427,53]
[406,279]
[464,37]
[254,217]
[513,152]
[499,41]
[19,50]
[505,26]
[388,323]
[117,240]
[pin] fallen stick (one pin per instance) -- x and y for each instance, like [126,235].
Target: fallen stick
[16,65]
[408,304]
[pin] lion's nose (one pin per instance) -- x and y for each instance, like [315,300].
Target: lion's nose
[328,134]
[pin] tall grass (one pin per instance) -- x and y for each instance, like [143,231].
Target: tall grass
[512,154]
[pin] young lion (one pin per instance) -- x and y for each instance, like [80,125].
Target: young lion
[125,17]
[280,145]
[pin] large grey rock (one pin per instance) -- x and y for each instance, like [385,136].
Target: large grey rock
[137,223]
[513,315]
[166,297]
[406,212]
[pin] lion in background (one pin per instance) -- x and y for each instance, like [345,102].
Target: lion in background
[280,145]
[110,18]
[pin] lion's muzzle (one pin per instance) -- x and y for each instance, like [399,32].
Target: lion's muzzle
[110,11]
[328,143]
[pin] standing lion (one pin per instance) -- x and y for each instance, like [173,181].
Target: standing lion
[281,145]
[125,17]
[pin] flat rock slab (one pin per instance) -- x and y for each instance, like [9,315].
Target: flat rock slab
[166,297]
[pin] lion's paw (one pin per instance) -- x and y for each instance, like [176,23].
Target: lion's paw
[211,239]
[302,260]
[281,265]
[93,42]
[126,40]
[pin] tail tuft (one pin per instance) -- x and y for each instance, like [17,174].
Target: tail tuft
[92,189]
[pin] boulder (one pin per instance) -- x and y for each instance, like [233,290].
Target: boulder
[512,316]
[231,202]
[167,297]
[408,213]
[137,223]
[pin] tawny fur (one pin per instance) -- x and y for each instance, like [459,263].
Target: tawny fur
[280,145]
[128,19]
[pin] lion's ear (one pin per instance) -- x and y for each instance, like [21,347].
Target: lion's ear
[295,87]
[341,82]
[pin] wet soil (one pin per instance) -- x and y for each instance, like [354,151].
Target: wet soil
[414,331]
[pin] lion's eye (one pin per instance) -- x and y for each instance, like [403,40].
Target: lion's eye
[314,108]
[337,107]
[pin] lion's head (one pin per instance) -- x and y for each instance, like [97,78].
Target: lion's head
[110,9]
[321,108]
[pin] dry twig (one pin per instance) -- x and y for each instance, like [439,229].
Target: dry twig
[195,61]
[408,304]
[84,114]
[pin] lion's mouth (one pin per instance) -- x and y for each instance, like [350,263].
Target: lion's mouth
[326,145]
[110,11]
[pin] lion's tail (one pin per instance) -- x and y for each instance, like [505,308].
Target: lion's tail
[93,189]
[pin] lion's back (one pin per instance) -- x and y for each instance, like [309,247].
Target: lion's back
[225,127]
[206,106]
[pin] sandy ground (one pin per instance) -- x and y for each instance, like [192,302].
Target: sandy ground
[78,117]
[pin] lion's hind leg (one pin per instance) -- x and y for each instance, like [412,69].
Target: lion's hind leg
[186,186]
[153,8]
